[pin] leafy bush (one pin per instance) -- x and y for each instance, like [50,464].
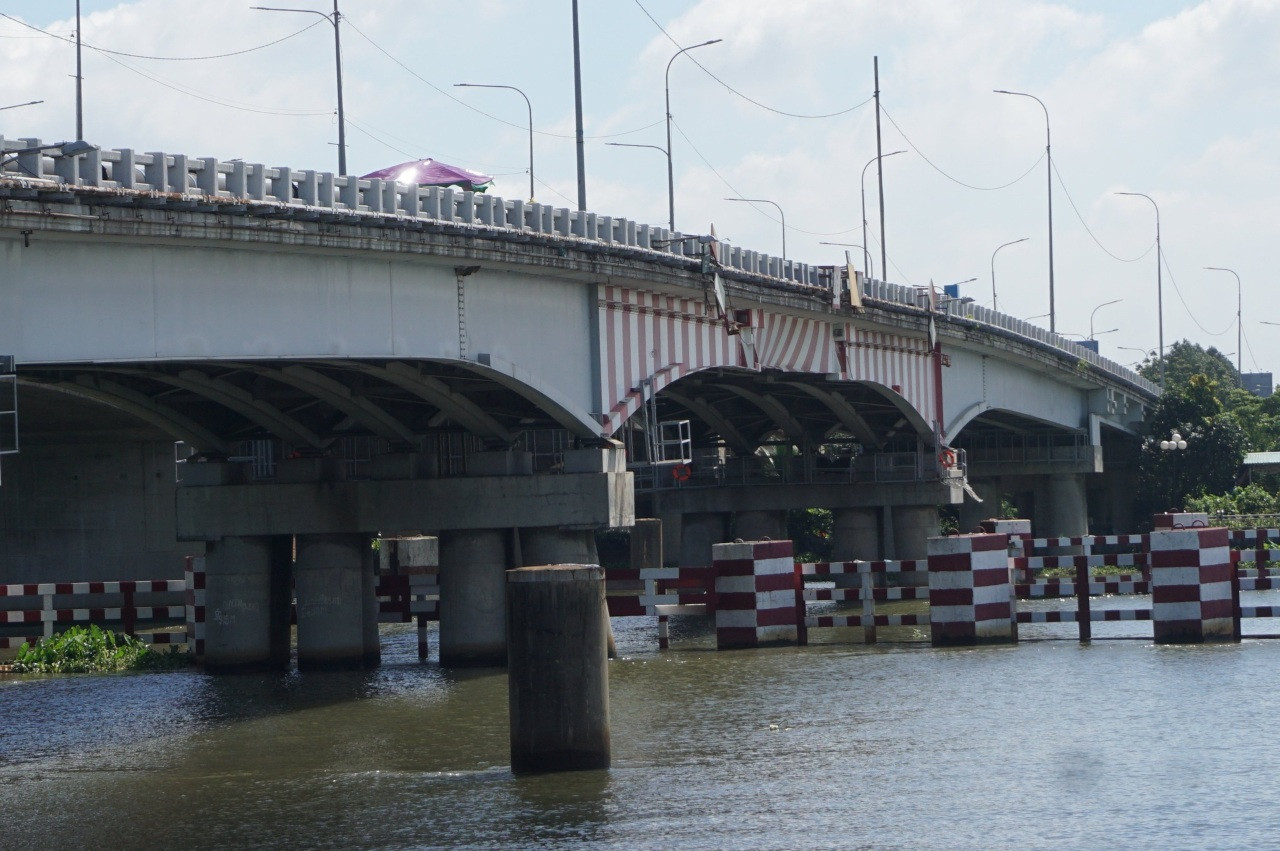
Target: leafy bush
[93,650]
[1246,499]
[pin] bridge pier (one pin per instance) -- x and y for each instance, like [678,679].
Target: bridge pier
[1066,510]
[760,525]
[913,526]
[972,513]
[473,598]
[698,534]
[334,582]
[247,604]
[855,534]
[553,545]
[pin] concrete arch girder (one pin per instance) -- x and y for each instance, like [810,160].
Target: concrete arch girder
[435,392]
[522,383]
[339,396]
[95,389]
[706,412]
[773,409]
[844,412]
[918,423]
[262,413]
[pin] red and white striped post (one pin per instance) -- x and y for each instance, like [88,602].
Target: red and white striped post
[193,571]
[755,599]
[970,590]
[1191,583]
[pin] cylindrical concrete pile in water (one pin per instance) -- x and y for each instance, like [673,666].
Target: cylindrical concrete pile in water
[558,671]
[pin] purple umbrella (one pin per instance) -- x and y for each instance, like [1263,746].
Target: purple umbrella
[431,172]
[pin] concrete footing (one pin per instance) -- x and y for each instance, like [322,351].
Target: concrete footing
[246,605]
[333,580]
[473,591]
[558,679]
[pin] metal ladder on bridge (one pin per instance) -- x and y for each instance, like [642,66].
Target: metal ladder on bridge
[8,409]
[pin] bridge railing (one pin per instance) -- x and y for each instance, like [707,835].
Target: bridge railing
[236,186]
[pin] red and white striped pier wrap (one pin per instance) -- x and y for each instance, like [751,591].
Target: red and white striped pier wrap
[755,594]
[969,589]
[193,569]
[1191,595]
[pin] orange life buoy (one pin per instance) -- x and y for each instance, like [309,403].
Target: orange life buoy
[947,458]
[680,472]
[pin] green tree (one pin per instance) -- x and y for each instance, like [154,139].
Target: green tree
[1184,359]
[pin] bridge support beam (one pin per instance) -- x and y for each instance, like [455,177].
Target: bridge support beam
[760,525]
[334,582]
[855,534]
[913,526]
[247,604]
[473,598]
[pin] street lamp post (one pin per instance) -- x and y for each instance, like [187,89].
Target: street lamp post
[1048,153]
[1159,281]
[334,19]
[1095,313]
[993,267]
[671,177]
[1239,304]
[780,213]
[866,257]
[664,151]
[527,104]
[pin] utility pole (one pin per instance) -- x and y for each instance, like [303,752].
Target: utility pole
[884,262]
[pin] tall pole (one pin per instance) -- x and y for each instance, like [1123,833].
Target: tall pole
[865,256]
[526,103]
[1159,281]
[577,112]
[884,261]
[334,19]
[337,63]
[1239,312]
[780,213]
[993,267]
[1095,313]
[79,81]
[1048,156]
[671,179]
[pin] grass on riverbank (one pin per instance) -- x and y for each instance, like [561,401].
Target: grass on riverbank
[94,650]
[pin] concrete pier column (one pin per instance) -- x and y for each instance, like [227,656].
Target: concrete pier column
[699,533]
[558,680]
[1067,514]
[473,595]
[246,605]
[372,656]
[760,525]
[972,513]
[855,534]
[913,526]
[553,545]
[333,581]
[970,590]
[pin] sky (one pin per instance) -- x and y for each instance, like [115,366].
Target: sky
[1170,98]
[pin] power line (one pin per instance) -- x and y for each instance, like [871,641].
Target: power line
[1085,225]
[731,89]
[940,171]
[451,96]
[1186,306]
[157,58]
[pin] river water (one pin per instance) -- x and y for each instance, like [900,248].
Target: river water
[837,745]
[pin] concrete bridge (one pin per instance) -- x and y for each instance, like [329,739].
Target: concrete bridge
[335,358]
